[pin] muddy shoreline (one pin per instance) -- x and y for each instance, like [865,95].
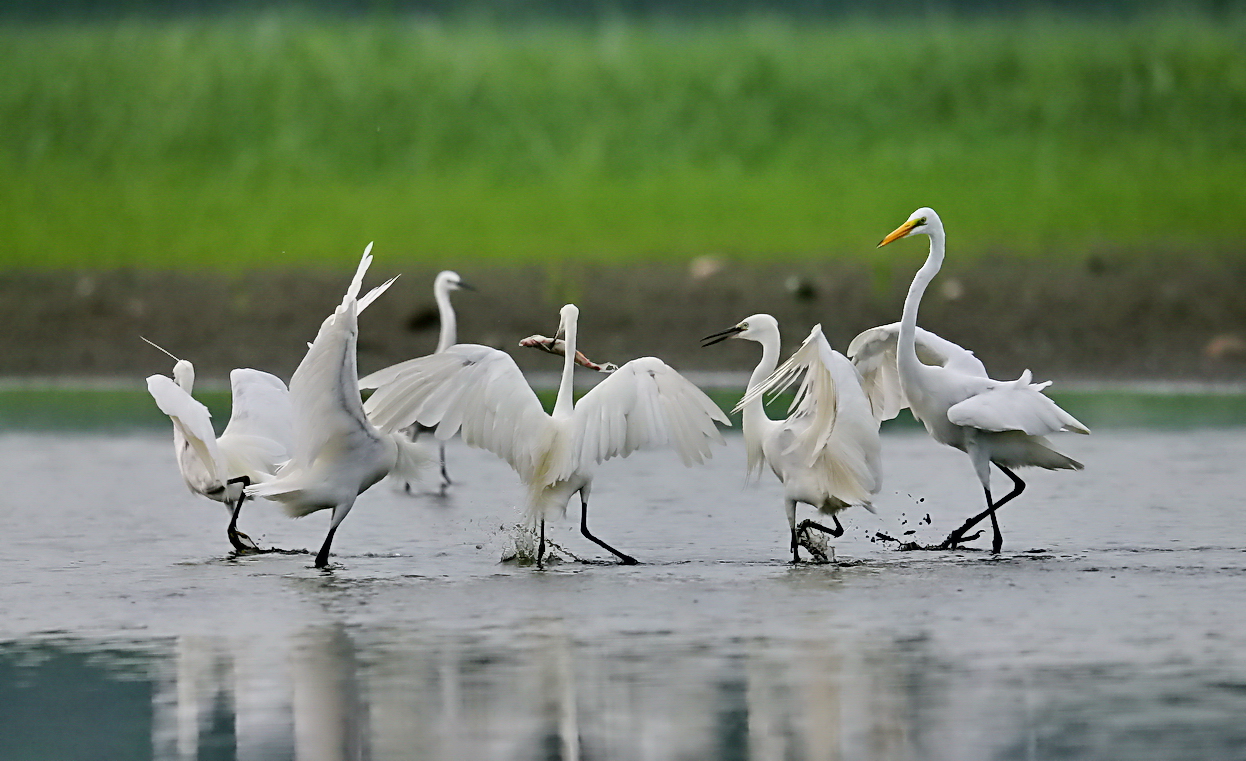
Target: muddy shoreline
[1107,318]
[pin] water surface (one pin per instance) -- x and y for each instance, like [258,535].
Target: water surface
[1113,625]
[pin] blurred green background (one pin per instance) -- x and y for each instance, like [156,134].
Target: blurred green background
[223,136]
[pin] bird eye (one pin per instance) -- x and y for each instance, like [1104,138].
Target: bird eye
[921,221]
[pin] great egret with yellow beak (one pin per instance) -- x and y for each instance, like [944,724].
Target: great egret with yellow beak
[992,421]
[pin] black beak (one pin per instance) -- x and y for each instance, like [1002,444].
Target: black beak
[714,338]
[466,286]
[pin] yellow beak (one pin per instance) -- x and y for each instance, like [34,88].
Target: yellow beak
[899,232]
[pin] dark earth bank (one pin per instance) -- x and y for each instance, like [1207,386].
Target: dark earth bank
[1124,317]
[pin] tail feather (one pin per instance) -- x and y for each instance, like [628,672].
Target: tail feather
[413,458]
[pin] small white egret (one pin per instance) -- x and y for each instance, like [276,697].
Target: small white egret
[642,405]
[827,452]
[1001,422]
[256,440]
[338,454]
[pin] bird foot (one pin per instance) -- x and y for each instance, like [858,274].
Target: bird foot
[242,543]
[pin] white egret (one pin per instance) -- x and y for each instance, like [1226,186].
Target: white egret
[827,452]
[256,440]
[338,454]
[642,405]
[1001,422]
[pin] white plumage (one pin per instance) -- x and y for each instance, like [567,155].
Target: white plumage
[446,282]
[256,440]
[482,393]
[338,454]
[1001,422]
[873,352]
[826,452]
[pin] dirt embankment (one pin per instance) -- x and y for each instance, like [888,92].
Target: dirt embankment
[1153,317]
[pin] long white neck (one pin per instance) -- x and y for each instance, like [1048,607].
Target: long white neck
[753,416]
[563,405]
[906,357]
[445,311]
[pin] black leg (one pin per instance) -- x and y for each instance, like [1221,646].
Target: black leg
[322,557]
[540,548]
[627,559]
[240,541]
[803,529]
[795,545]
[997,539]
[836,532]
[957,536]
[445,477]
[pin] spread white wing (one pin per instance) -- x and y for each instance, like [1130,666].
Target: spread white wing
[817,400]
[874,354]
[474,388]
[831,434]
[260,431]
[1014,406]
[193,421]
[644,404]
[324,390]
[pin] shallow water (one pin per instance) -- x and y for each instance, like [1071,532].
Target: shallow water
[1113,626]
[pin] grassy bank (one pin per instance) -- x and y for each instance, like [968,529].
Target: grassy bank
[283,139]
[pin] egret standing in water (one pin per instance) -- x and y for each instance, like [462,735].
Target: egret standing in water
[1000,422]
[256,440]
[827,452]
[642,405]
[338,454]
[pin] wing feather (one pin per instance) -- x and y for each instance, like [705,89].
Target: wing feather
[261,408]
[874,353]
[324,391]
[192,419]
[1014,406]
[474,389]
[644,404]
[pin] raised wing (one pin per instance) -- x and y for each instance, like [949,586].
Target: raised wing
[821,370]
[831,432]
[192,419]
[260,433]
[261,406]
[1014,406]
[874,354]
[356,284]
[324,390]
[474,388]
[643,405]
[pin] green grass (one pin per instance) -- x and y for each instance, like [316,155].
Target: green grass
[284,139]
